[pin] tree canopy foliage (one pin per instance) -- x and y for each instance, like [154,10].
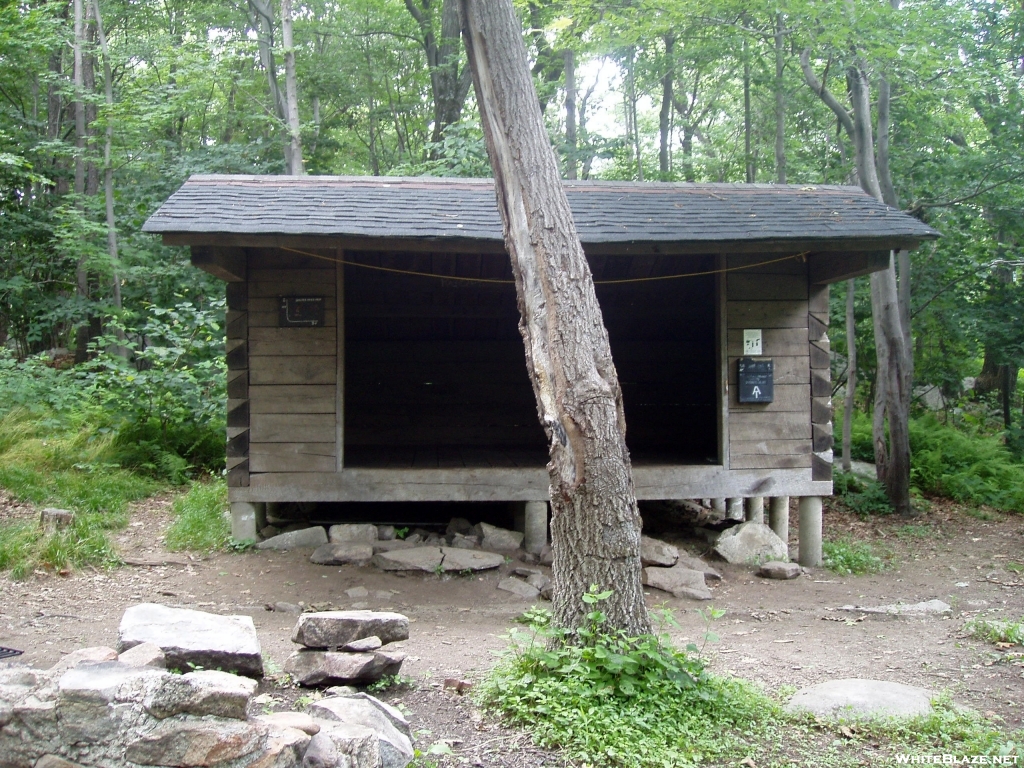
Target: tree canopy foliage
[708,91]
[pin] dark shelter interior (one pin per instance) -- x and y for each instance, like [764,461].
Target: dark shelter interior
[435,373]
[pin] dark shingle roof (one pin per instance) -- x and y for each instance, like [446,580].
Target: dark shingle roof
[605,211]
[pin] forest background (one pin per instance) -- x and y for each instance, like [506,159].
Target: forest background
[111,345]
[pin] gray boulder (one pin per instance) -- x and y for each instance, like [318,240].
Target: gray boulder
[681,582]
[195,638]
[341,745]
[52,761]
[283,748]
[88,697]
[498,539]
[343,553]
[334,629]
[197,742]
[779,570]
[392,544]
[321,668]
[305,538]
[751,543]
[390,726]
[365,645]
[519,588]
[415,559]
[94,655]
[465,542]
[206,692]
[657,552]
[144,655]
[858,698]
[459,526]
[292,720]
[696,564]
[456,559]
[350,533]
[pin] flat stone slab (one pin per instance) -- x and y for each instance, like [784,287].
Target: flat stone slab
[519,588]
[206,640]
[680,581]
[656,552]
[927,608]
[321,668]
[499,539]
[334,629]
[858,698]
[343,553]
[415,559]
[306,538]
[456,559]
[751,543]
[696,564]
[197,743]
[201,693]
[776,569]
[391,727]
[342,744]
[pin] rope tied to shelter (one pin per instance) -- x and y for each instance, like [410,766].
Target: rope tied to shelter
[461,278]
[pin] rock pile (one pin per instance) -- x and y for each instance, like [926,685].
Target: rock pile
[100,709]
[346,647]
[667,569]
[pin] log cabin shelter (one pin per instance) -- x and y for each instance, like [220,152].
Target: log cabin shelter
[373,349]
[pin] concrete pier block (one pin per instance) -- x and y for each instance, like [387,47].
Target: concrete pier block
[718,505]
[536,526]
[753,508]
[734,509]
[810,531]
[778,516]
[246,519]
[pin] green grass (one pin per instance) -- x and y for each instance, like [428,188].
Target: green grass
[199,520]
[571,698]
[997,630]
[851,558]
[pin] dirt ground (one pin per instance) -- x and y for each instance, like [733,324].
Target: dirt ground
[776,633]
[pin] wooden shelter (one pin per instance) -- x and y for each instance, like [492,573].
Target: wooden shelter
[374,354]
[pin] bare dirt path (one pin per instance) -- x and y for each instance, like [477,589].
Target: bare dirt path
[777,633]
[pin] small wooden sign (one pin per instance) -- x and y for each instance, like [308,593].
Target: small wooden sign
[756,380]
[301,312]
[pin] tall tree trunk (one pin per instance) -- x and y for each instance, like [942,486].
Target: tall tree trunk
[780,100]
[595,523]
[748,157]
[293,153]
[851,374]
[570,113]
[631,121]
[81,272]
[665,117]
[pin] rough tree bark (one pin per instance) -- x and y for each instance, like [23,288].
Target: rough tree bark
[595,524]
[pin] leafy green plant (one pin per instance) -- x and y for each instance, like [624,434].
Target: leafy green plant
[851,558]
[864,497]
[199,520]
[997,630]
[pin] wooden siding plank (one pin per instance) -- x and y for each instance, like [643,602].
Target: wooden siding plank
[767,314]
[821,410]
[294,398]
[745,286]
[271,319]
[771,462]
[292,341]
[292,370]
[776,342]
[289,275]
[291,428]
[791,369]
[754,264]
[293,287]
[788,397]
[771,448]
[769,426]
[292,457]
[272,305]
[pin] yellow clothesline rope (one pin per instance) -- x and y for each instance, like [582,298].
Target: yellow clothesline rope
[512,282]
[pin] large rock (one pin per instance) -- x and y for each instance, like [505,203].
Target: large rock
[88,699]
[359,533]
[194,638]
[775,569]
[857,698]
[344,553]
[304,538]
[657,552]
[751,543]
[389,724]
[188,743]
[144,655]
[927,608]
[392,544]
[681,582]
[334,629]
[52,761]
[340,745]
[297,720]
[457,559]
[415,559]
[207,692]
[94,655]
[284,749]
[696,564]
[498,539]
[519,588]
[321,668]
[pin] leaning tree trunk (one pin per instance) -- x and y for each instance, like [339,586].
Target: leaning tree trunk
[851,376]
[293,149]
[595,523]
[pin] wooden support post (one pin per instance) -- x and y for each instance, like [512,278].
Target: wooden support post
[778,517]
[247,519]
[810,531]
[754,509]
[734,509]
[718,505]
[536,526]
[339,408]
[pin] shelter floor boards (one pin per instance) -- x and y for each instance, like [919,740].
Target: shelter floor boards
[449,457]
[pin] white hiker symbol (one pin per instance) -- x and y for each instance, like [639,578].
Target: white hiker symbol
[757,392]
